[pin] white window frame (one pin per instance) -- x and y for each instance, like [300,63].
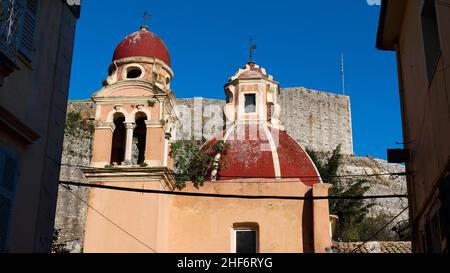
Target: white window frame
[256,103]
[234,237]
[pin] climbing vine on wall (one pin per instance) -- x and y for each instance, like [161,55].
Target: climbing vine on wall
[194,161]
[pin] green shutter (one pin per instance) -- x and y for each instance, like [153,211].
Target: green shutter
[8,179]
[28,27]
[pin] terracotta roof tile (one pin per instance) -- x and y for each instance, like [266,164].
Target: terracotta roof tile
[372,247]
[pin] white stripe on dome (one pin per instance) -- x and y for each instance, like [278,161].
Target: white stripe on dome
[273,148]
[217,157]
[228,133]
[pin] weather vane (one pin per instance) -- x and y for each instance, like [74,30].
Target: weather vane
[146,17]
[252,47]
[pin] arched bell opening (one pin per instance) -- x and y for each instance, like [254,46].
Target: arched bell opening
[139,139]
[118,141]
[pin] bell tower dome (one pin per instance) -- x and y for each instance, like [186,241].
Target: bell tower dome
[252,96]
[143,56]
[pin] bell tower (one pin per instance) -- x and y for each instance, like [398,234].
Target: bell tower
[134,127]
[134,119]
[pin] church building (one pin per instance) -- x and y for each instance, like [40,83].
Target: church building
[135,121]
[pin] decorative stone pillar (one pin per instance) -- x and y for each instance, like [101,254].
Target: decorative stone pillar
[129,126]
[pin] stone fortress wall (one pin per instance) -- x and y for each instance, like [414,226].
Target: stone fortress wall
[317,120]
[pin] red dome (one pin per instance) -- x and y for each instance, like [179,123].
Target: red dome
[264,152]
[142,43]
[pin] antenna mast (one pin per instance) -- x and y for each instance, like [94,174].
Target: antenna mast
[342,73]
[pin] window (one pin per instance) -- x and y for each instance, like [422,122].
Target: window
[9,170]
[245,240]
[430,33]
[270,110]
[133,73]
[28,27]
[250,103]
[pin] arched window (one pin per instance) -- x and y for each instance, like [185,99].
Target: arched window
[139,139]
[118,141]
[133,72]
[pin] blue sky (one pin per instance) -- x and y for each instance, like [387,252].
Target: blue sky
[298,42]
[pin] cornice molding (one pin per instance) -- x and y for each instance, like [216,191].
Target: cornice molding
[17,127]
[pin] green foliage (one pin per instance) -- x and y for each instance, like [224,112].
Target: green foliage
[108,166]
[194,162]
[370,226]
[403,230]
[76,126]
[151,103]
[351,212]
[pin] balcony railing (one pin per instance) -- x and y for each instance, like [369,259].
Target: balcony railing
[10,12]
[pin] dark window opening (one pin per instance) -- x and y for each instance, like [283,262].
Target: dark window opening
[118,141]
[430,33]
[230,98]
[139,140]
[110,71]
[250,103]
[270,110]
[134,73]
[246,241]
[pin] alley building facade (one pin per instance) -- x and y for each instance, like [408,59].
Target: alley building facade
[36,46]
[419,32]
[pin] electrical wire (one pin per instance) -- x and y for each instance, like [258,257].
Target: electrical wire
[109,220]
[392,176]
[235,196]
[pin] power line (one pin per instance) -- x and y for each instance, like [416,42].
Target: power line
[378,231]
[303,177]
[109,220]
[232,195]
